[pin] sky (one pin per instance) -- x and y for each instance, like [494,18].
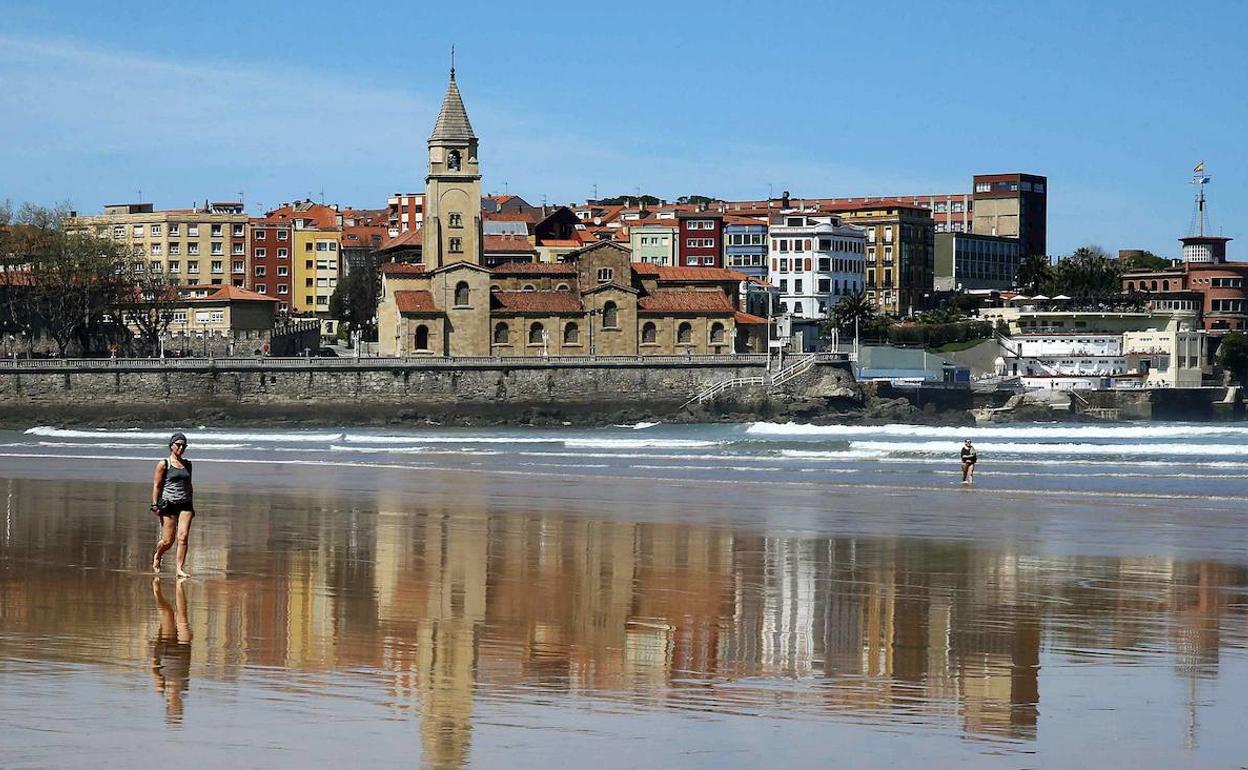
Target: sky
[1114,102]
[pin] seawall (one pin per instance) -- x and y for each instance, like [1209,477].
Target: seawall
[380,390]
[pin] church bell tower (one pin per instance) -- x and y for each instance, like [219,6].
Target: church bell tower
[452,221]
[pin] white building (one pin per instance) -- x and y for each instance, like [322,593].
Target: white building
[815,259]
[1156,359]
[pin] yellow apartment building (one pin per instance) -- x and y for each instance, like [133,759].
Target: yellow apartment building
[315,264]
[207,244]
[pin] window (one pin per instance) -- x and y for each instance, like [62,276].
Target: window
[283,288]
[797,286]
[456,245]
[825,264]
[218,248]
[218,266]
[175,229]
[422,337]
[825,285]
[282,254]
[238,231]
[649,334]
[237,249]
[156,230]
[983,187]
[322,246]
[825,244]
[461,294]
[175,266]
[260,254]
[137,231]
[320,300]
[193,267]
[717,333]
[684,333]
[262,289]
[216,231]
[258,235]
[156,249]
[456,219]
[537,333]
[610,316]
[283,270]
[307,282]
[501,334]
[259,270]
[282,235]
[192,230]
[238,266]
[571,334]
[606,274]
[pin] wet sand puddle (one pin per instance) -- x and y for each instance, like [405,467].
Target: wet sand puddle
[325,628]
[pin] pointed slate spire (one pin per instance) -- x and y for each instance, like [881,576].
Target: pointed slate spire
[452,125]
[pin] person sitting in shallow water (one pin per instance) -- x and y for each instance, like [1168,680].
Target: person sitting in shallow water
[969,457]
[172,502]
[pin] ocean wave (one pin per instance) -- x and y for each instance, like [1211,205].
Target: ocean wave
[848,454]
[132,445]
[1031,430]
[638,443]
[192,435]
[1016,448]
[418,438]
[410,450]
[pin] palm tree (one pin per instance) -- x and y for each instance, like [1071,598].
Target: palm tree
[853,307]
[1035,272]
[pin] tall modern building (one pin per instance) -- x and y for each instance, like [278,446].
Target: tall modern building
[1013,206]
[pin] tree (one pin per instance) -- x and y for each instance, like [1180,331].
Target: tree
[1233,355]
[695,199]
[1088,275]
[1145,260]
[72,278]
[1035,273]
[145,301]
[853,307]
[354,301]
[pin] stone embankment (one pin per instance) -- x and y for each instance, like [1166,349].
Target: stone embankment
[477,391]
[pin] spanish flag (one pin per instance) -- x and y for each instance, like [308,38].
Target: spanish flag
[1200,168]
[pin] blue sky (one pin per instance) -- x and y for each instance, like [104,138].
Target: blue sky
[1113,101]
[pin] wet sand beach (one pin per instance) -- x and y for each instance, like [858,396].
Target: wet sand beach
[511,599]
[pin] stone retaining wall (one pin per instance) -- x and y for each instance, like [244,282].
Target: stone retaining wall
[397,390]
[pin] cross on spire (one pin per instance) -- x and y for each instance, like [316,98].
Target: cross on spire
[452,61]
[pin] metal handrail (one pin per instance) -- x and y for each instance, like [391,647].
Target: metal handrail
[248,362]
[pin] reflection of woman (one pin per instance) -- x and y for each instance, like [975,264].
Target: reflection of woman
[171,652]
[172,501]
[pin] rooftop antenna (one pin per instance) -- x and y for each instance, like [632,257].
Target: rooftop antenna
[595,191]
[322,196]
[242,198]
[506,188]
[1199,218]
[140,195]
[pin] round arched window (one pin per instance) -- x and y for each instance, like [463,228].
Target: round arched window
[502,335]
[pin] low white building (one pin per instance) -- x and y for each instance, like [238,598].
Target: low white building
[815,259]
[1056,359]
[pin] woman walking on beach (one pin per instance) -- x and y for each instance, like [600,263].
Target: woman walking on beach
[172,502]
[969,458]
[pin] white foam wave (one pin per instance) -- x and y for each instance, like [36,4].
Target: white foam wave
[133,445]
[638,443]
[845,454]
[1016,448]
[193,436]
[417,438]
[409,450]
[1049,432]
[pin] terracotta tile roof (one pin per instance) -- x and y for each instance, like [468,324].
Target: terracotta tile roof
[645,269]
[404,268]
[681,301]
[535,302]
[415,302]
[223,292]
[532,217]
[409,239]
[508,243]
[534,268]
[551,242]
[699,274]
[735,219]
[745,319]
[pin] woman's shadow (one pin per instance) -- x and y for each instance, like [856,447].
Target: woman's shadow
[171,650]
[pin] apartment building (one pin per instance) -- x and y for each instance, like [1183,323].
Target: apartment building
[701,242]
[967,261]
[746,245]
[899,264]
[815,260]
[205,244]
[270,247]
[654,241]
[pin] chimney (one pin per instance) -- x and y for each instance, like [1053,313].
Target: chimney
[784,199]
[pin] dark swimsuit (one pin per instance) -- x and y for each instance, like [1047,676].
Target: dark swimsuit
[176,492]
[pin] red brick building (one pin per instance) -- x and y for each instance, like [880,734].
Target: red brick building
[1221,288]
[271,271]
[701,239]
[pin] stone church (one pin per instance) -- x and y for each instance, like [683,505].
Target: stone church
[596,301]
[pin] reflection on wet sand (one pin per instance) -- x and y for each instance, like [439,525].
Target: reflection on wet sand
[452,607]
[171,650]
